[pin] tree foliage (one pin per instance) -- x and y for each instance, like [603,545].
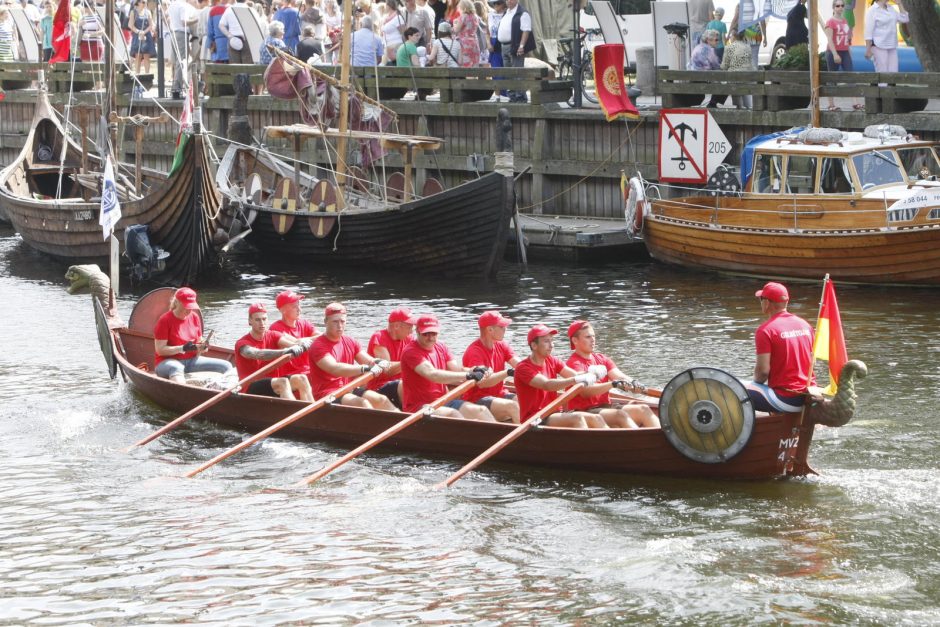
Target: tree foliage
[924,26]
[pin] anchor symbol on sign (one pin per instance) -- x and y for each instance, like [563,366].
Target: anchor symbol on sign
[681,130]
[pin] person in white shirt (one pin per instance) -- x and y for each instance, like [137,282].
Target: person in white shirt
[515,40]
[881,34]
[182,16]
[238,51]
[446,50]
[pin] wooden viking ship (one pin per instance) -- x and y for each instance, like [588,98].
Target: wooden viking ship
[709,427]
[862,207]
[51,195]
[336,212]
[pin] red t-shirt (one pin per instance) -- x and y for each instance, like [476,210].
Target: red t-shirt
[418,391]
[841,34]
[532,399]
[246,366]
[344,351]
[581,364]
[177,332]
[789,340]
[394,347]
[496,358]
[297,365]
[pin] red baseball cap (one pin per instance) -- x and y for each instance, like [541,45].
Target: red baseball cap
[287,297]
[402,314]
[574,327]
[187,297]
[255,308]
[774,292]
[333,309]
[539,330]
[493,319]
[428,324]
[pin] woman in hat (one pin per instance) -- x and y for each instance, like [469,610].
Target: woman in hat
[178,341]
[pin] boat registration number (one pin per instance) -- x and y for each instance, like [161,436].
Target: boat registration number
[82,215]
[785,445]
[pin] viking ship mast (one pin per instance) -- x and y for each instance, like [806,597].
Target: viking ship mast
[345,62]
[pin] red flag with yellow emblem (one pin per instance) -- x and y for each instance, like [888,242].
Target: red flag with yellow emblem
[608,80]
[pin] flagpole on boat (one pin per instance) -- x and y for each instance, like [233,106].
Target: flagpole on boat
[114,261]
[812,361]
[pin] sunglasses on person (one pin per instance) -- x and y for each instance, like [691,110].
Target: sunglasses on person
[838,6]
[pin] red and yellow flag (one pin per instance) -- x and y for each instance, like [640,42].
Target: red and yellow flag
[608,82]
[829,344]
[61,37]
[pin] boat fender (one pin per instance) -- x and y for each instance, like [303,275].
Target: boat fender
[820,136]
[884,131]
[636,207]
[706,415]
[840,409]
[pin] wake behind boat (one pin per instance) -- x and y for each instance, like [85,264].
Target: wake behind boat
[864,208]
[710,429]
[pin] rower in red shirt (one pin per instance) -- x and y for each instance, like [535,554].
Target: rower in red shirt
[428,367]
[292,324]
[336,358]
[596,398]
[178,342]
[784,354]
[261,344]
[491,351]
[540,376]
[388,344]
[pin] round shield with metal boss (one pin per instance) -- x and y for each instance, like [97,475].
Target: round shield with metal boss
[706,414]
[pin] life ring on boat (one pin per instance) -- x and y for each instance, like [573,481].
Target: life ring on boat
[706,415]
[635,207]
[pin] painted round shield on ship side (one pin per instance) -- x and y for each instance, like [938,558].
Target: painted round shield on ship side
[396,187]
[706,414]
[322,200]
[286,201]
[431,186]
[104,337]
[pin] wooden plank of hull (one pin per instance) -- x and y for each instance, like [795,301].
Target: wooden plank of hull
[625,451]
[899,256]
[460,232]
[180,213]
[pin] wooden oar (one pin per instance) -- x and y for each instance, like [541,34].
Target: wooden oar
[297,415]
[512,435]
[210,402]
[410,420]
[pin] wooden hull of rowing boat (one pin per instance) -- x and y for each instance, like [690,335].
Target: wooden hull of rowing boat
[909,256]
[778,447]
[180,210]
[458,232]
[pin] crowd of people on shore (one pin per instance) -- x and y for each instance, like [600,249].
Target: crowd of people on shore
[405,33]
[406,365]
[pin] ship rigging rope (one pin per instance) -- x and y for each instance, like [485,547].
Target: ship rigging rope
[607,159]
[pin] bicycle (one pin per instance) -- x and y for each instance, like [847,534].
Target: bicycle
[565,64]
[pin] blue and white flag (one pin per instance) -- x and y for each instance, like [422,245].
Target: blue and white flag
[753,11]
[110,207]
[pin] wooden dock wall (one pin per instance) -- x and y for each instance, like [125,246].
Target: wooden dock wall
[574,157]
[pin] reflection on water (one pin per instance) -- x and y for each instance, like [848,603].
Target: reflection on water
[93,535]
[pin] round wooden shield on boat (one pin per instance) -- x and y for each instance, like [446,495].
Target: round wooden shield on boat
[431,186]
[104,337]
[396,186]
[254,188]
[322,200]
[706,414]
[151,306]
[286,200]
[356,179]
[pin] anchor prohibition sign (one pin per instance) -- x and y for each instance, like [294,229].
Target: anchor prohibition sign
[691,145]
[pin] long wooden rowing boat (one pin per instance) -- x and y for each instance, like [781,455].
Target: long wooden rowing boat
[864,208]
[708,430]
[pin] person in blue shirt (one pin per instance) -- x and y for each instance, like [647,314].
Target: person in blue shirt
[289,16]
[366,45]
